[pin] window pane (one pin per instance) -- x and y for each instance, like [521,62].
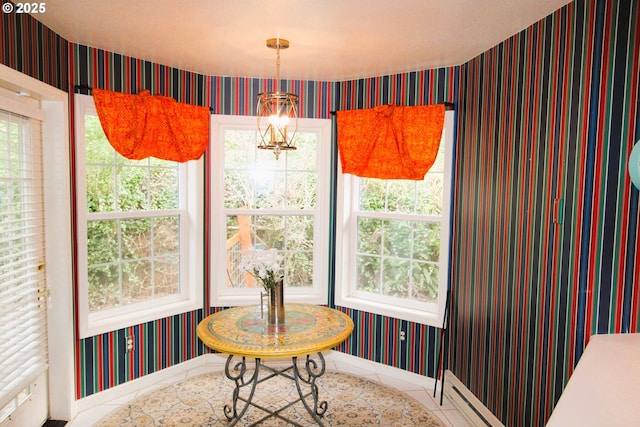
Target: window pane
[104,287]
[369,235]
[269,189]
[291,234]
[430,195]
[425,281]
[304,157]
[299,269]
[397,238]
[167,276]
[373,195]
[426,241]
[239,148]
[166,235]
[268,231]
[163,187]
[97,148]
[136,281]
[401,196]
[396,245]
[122,254]
[298,232]
[136,238]
[100,189]
[237,191]
[133,188]
[255,179]
[368,273]
[300,190]
[399,247]
[102,241]
[268,203]
[396,277]
[141,184]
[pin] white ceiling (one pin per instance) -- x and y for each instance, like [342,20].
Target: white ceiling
[331,40]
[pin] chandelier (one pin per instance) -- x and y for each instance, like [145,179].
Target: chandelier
[277,112]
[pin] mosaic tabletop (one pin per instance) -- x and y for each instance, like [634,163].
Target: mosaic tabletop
[243,331]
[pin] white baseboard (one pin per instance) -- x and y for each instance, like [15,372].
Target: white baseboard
[379,368]
[468,404]
[216,361]
[211,360]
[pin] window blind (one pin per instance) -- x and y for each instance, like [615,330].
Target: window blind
[23,326]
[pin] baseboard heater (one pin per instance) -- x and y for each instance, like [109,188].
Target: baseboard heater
[468,405]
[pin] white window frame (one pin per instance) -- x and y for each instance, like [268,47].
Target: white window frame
[221,296]
[191,182]
[346,242]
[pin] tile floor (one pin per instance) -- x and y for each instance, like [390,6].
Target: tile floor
[447,413]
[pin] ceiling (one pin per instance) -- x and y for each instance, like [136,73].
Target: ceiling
[330,40]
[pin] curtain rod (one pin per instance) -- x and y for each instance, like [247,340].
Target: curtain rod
[81,88]
[447,106]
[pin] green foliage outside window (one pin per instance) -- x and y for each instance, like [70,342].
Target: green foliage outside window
[255,180]
[399,257]
[129,259]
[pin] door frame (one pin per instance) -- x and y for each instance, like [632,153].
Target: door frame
[58,237]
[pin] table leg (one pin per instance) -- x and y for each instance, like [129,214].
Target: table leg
[237,374]
[312,370]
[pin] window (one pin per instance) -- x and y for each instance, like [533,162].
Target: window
[393,241]
[260,202]
[139,232]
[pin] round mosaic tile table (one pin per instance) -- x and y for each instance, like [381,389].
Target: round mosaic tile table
[243,332]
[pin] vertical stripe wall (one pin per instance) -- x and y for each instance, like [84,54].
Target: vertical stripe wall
[545,239]
[225,95]
[101,361]
[33,49]
[377,337]
[546,234]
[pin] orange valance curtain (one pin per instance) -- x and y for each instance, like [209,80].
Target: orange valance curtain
[141,126]
[390,142]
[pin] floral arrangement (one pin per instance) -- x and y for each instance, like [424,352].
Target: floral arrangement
[264,265]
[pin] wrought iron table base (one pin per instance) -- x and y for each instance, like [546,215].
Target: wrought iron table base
[313,369]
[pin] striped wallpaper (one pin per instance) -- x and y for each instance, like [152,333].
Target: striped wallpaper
[33,49]
[104,363]
[225,95]
[545,239]
[377,337]
[101,360]
[546,234]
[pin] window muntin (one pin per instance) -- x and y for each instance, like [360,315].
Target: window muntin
[271,203]
[393,241]
[137,238]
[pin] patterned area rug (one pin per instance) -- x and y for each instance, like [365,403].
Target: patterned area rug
[199,401]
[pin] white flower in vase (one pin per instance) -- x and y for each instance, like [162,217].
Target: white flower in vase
[264,265]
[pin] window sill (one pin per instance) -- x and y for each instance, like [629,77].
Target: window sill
[123,317]
[390,310]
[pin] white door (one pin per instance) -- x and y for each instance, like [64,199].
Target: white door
[23,293]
